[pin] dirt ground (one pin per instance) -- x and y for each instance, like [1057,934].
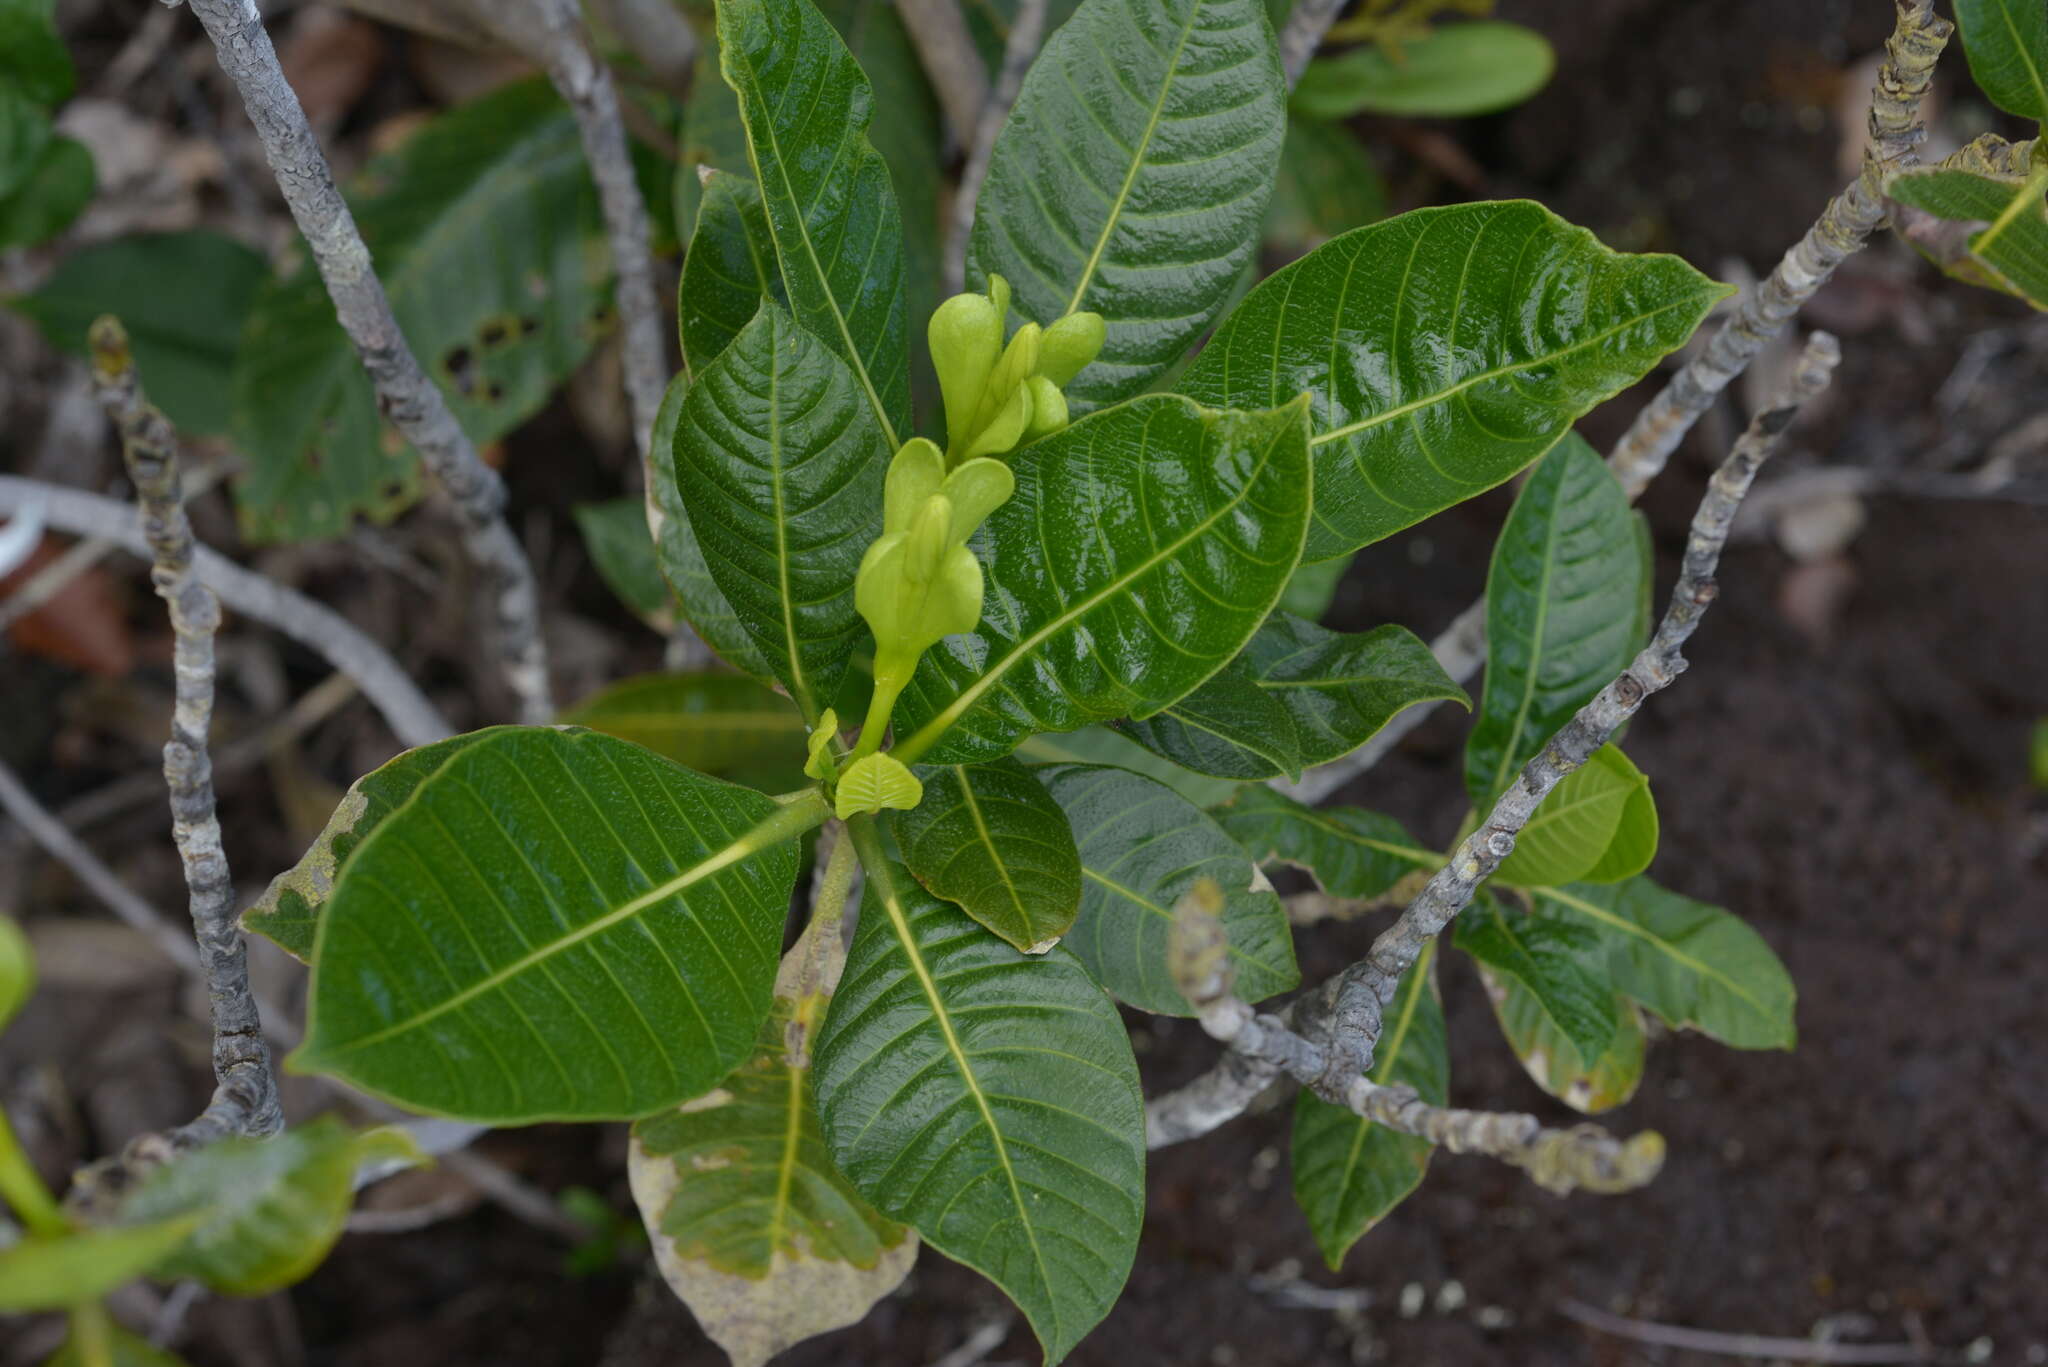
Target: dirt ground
[1845,766]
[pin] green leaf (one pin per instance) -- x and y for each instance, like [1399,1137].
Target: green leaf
[1442,351]
[703,603]
[730,269]
[55,192]
[616,535]
[713,723]
[96,1341]
[2007,44]
[1320,694]
[486,231]
[288,913]
[1997,228]
[989,839]
[780,465]
[1131,179]
[18,969]
[712,133]
[1349,851]
[24,132]
[1553,959]
[1143,546]
[1314,587]
[1100,745]
[1452,72]
[269,1209]
[2039,759]
[183,298]
[32,56]
[831,205]
[990,1099]
[1142,847]
[874,782]
[1696,966]
[556,926]
[56,1271]
[1577,827]
[1561,605]
[1554,1063]
[1328,185]
[753,1226]
[1348,1172]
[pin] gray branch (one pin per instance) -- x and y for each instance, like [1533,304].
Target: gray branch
[939,33]
[1027,32]
[407,398]
[1303,34]
[406,710]
[1342,1017]
[1843,228]
[245,1096]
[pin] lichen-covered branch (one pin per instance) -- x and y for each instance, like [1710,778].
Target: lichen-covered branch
[1341,1019]
[245,1096]
[1584,1157]
[406,710]
[939,33]
[1027,32]
[406,397]
[1843,228]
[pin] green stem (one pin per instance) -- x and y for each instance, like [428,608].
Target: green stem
[24,1190]
[888,687]
[828,907]
[92,1335]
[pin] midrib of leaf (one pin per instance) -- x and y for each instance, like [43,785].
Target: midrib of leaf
[1116,208]
[803,231]
[1414,854]
[2027,197]
[929,734]
[2019,45]
[1430,400]
[988,841]
[790,647]
[1387,1058]
[1530,675]
[1606,917]
[1133,895]
[875,861]
[787,823]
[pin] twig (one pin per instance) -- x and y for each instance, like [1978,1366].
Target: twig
[978,1345]
[1743,1345]
[1637,458]
[245,1096]
[1303,34]
[939,33]
[1342,1018]
[1027,32]
[404,393]
[413,719]
[584,82]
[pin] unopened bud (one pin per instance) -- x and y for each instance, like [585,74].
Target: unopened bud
[1069,345]
[1048,408]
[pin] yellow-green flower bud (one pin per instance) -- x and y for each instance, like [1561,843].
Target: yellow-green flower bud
[924,552]
[966,335]
[1048,408]
[915,475]
[1002,432]
[1069,345]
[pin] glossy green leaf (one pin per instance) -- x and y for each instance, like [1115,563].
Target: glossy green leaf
[486,232]
[1349,851]
[1328,185]
[1561,604]
[1993,231]
[96,1341]
[18,970]
[831,204]
[55,1271]
[616,535]
[1230,727]
[183,298]
[704,605]
[989,839]
[556,926]
[1443,351]
[32,55]
[780,464]
[1558,962]
[713,723]
[269,1209]
[24,132]
[1578,824]
[753,1226]
[1142,847]
[2007,45]
[730,269]
[1143,546]
[288,913]
[988,1098]
[53,194]
[1348,1172]
[1100,745]
[1452,72]
[1634,844]
[1554,1063]
[1131,179]
[1696,966]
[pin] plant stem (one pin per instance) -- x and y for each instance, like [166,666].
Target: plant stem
[23,1189]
